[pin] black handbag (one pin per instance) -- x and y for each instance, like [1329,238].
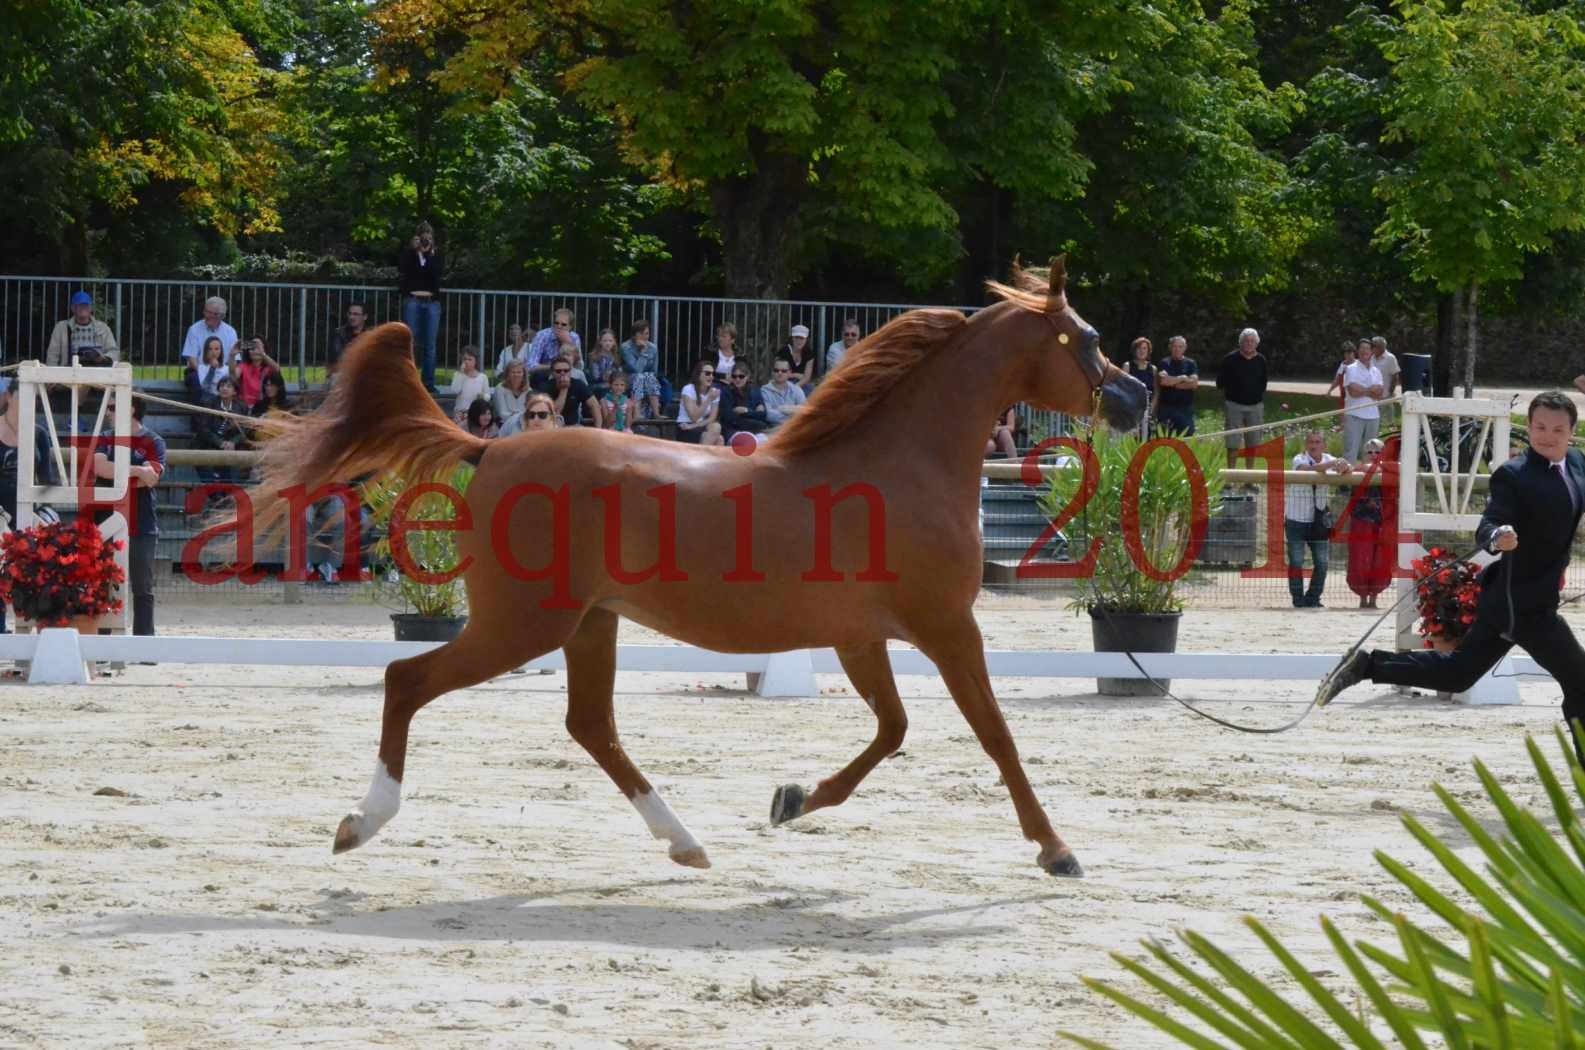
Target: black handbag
[1321,524]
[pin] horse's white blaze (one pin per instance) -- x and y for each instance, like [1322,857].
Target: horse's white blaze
[663,823]
[381,803]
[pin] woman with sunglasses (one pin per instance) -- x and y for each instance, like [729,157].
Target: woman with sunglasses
[742,407]
[701,408]
[539,413]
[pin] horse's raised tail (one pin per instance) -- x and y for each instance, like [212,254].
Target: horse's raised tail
[377,419]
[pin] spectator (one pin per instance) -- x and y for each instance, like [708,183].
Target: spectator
[273,396]
[1177,377]
[742,407]
[212,323]
[511,394]
[851,334]
[143,523]
[81,336]
[698,417]
[574,357]
[604,365]
[203,377]
[725,348]
[571,396]
[221,433]
[1349,357]
[479,419]
[468,384]
[10,444]
[1307,521]
[351,328]
[616,408]
[539,413]
[253,363]
[549,343]
[641,360]
[783,398]
[1372,547]
[516,349]
[1242,381]
[1002,431]
[419,269]
[1362,386]
[1140,368]
[803,359]
[1386,363]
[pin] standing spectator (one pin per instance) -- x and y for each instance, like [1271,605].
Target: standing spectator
[511,393]
[419,269]
[143,523]
[1386,363]
[273,397]
[351,328]
[1140,368]
[203,377]
[851,334]
[1002,431]
[570,396]
[803,359]
[604,364]
[1306,521]
[698,418]
[212,323]
[1349,357]
[549,344]
[641,360]
[742,406]
[478,419]
[253,364]
[616,408]
[1362,386]
[468,384]
[1242,381]
[1372,545]
[516,349]
[221,433]
[725,348]
[82,337]
[783,398]
[1177,377]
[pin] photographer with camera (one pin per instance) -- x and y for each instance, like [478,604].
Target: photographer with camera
[418,280]
[90,341]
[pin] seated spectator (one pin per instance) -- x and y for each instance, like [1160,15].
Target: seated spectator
[516,349]
[803,359]
[725,348]
[1002,431]
[604,363]
[742,407]
[511,394]
[350,330]
[851,334]
[81,336]
[212,323]
[538,414]
[468,384]
[698,416]
[549,343]
[783,398]
[641,361]
[573,357]
[218,432]
[479,419]
[616,408]
[571,397]
[252,364]
[203,377]
[273,398]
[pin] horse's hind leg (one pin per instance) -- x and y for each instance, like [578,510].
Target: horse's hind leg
[476,655]
[870,671]
[591,719]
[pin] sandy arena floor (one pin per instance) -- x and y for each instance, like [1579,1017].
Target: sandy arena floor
[518,901]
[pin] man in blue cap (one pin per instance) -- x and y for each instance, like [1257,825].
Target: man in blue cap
[82,337]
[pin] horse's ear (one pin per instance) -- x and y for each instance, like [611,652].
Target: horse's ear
[1058,277]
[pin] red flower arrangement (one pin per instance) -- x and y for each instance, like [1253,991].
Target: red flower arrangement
[1445,595]
[52,574]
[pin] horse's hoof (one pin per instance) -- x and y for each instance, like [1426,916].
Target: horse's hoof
[347,834]
[787,803]
[691,858]
[1065,867]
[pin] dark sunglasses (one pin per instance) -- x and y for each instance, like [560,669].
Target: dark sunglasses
[562,371]
[539,415]
[561,324]
[740,376]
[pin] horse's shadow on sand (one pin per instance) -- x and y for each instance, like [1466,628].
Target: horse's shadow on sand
[779,918]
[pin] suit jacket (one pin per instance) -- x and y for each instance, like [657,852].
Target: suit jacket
[1529,495]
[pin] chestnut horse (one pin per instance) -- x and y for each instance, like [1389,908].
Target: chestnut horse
[572,529]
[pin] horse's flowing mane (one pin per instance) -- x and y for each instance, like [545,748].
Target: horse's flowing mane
[880,362]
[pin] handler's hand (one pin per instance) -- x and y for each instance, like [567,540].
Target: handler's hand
[1504,539]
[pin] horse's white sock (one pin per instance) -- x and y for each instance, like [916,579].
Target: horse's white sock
[663,823]
[382,801]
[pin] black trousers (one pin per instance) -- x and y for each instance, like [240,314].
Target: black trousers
[1543,635]
[140,580]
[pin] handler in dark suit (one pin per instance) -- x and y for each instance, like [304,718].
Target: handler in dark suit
[1531,514]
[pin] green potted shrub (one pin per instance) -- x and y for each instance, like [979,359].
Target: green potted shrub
[1143,513]
[427,611]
